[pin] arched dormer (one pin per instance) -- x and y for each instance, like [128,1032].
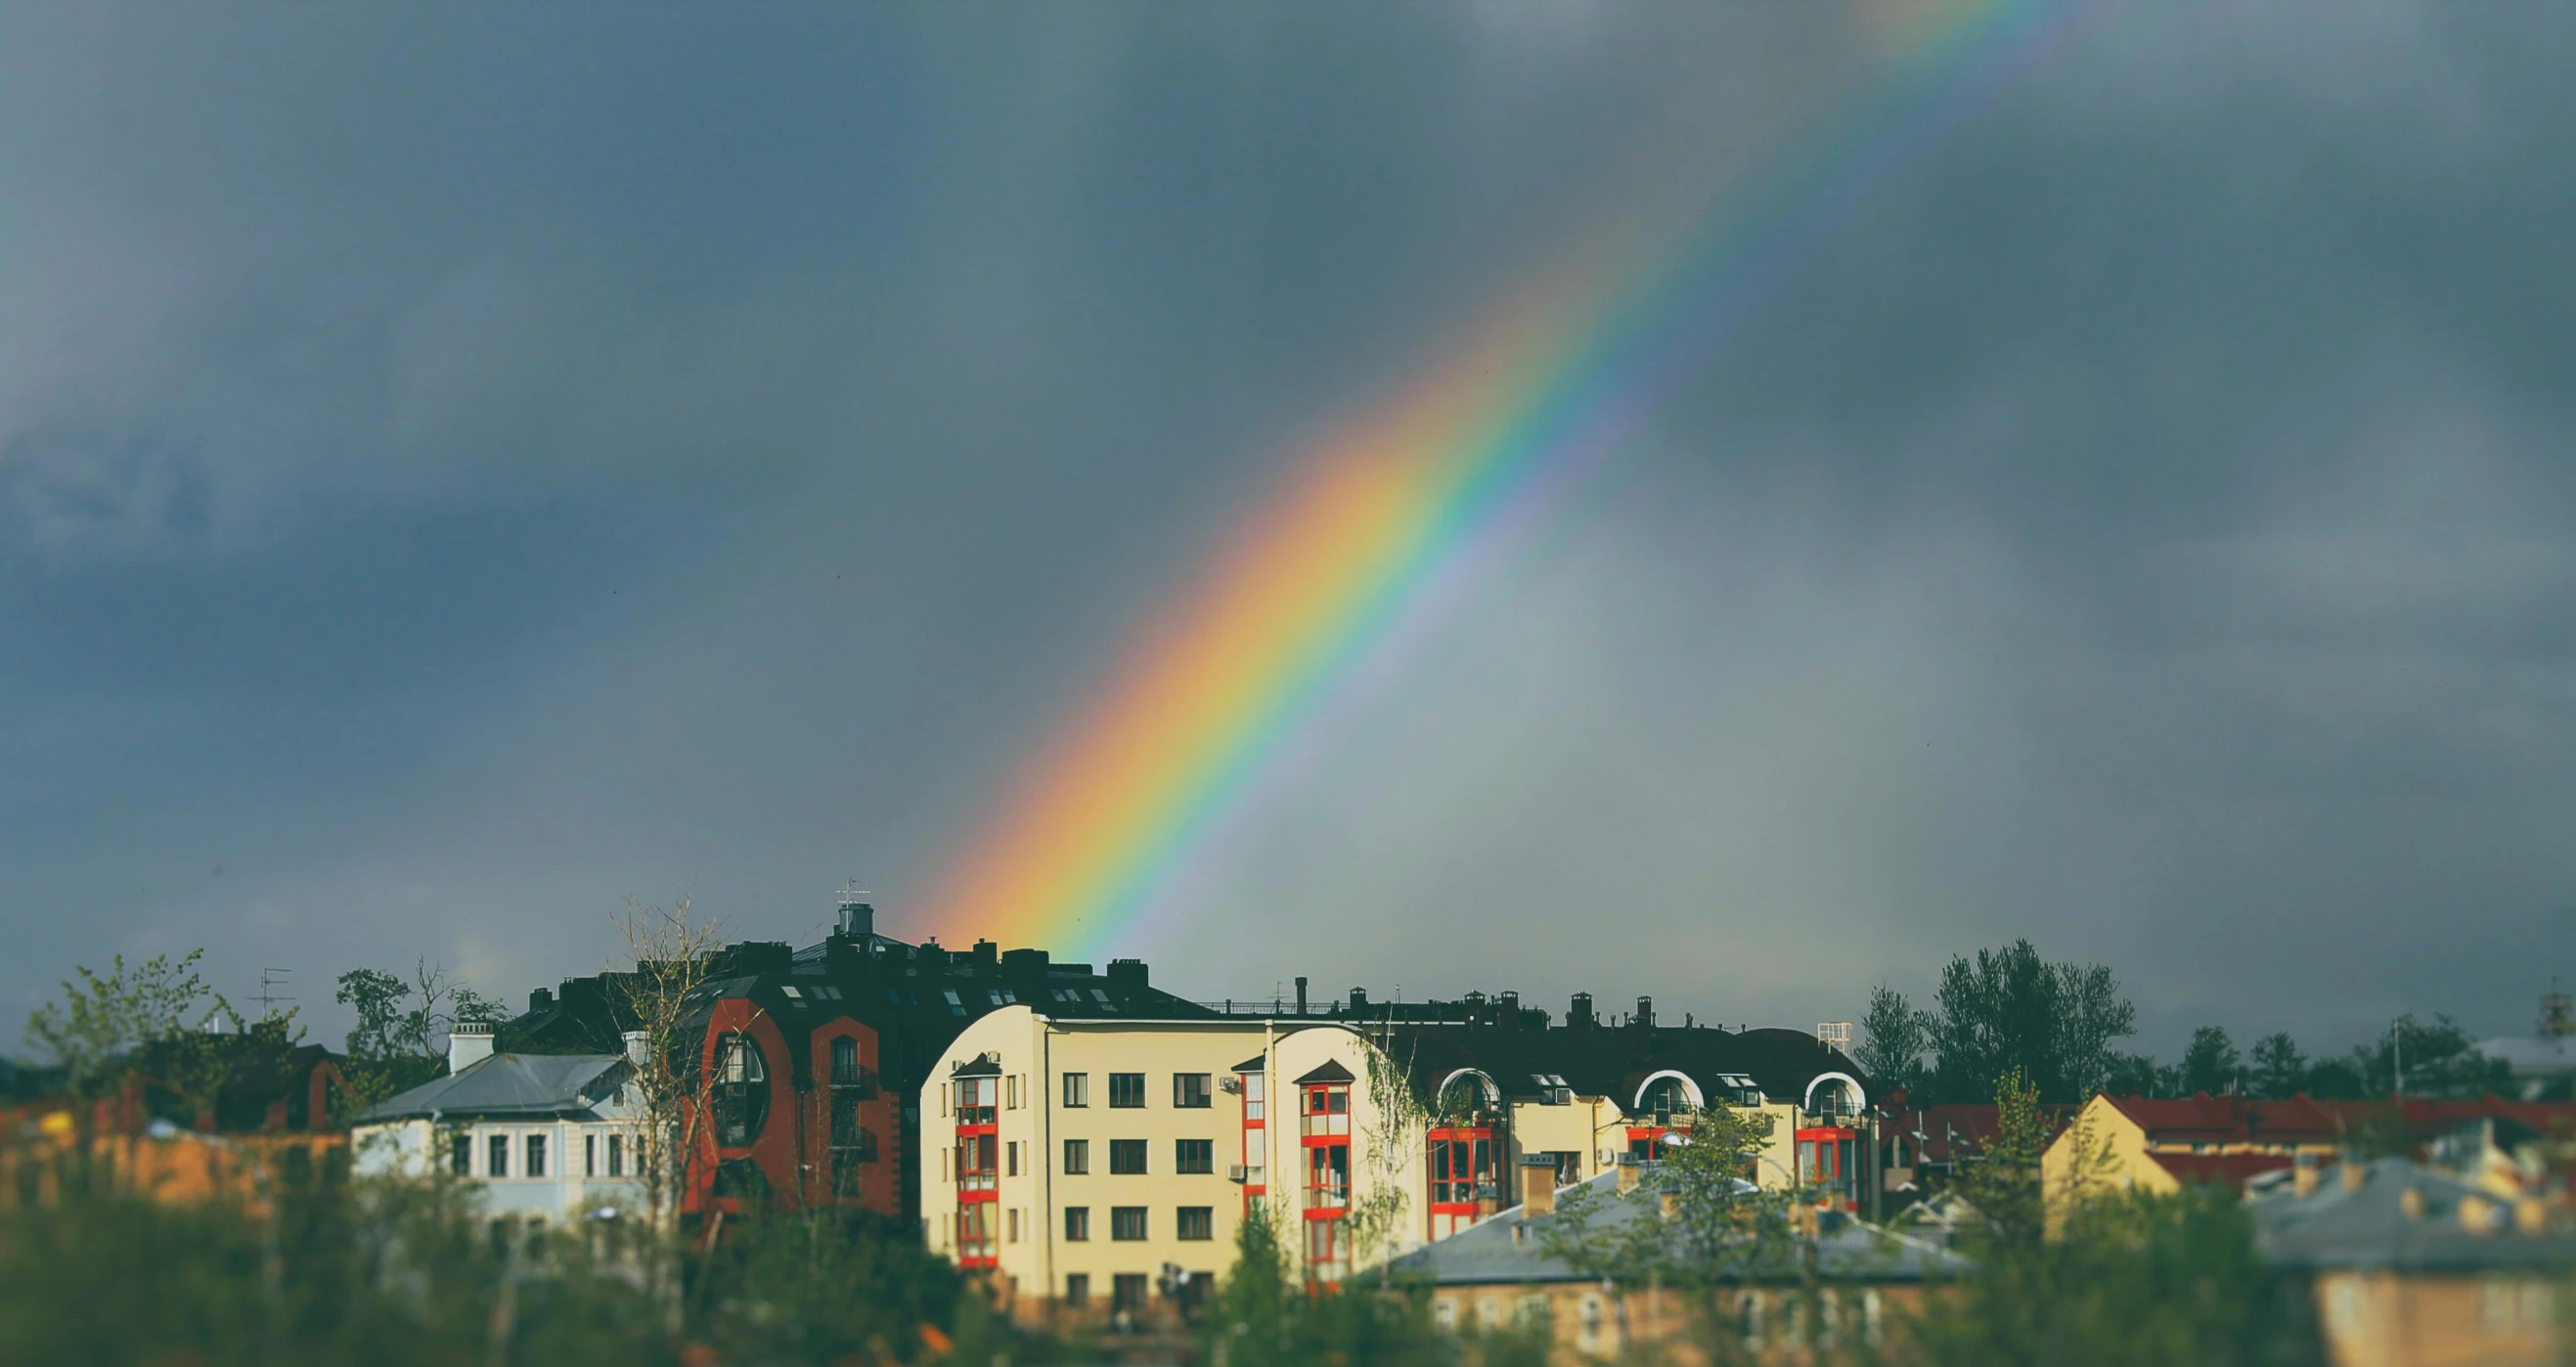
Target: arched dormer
[1834,1094]
[1486,1095]
[1667,1089]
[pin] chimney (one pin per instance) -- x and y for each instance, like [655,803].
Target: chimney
[1128,971]
[468,1043]
[1301,996]
[540,999]
[1359,1000]
[1646,1012]
[1580,1017]
[857,920]
[1628,1172]
[1538,1185]
[987,954]
[638,1050]
[1511,1003]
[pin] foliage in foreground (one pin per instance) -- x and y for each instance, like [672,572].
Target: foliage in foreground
[405,1273]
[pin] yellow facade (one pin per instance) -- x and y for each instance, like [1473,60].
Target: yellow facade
[1065,1226]
[2383,1319]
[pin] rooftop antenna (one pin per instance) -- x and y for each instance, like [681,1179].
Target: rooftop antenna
[271,979]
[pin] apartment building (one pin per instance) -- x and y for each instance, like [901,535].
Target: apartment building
[816,1056]
[1085,1161]
[1098,1164]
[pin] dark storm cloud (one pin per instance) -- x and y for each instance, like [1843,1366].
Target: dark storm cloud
[461,467]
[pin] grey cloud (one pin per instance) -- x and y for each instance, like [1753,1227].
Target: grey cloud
[458,468]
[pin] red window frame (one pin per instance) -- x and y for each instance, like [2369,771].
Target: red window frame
[1828,1161]
[978,1171]
[1324,1132]
[1256,1137]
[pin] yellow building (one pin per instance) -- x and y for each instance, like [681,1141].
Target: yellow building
[1105,1164]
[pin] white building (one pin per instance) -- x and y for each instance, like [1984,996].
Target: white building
[545,1136]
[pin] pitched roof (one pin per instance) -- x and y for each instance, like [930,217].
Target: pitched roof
[2205,1118]
[532,1086]
[2232,1170]
[1511,1248]
[1329,1071]
[2369,1226]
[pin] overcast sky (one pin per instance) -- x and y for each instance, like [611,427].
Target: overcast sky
[461,467]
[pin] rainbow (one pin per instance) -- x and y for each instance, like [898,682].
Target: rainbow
[1382,528]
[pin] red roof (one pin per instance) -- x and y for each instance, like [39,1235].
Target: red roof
[2232,1169]
[1954,1132]
[2223,1119]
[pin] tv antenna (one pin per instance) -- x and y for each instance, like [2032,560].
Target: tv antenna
[270,979]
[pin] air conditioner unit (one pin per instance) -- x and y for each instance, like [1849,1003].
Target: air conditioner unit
[1229,1083]
[1235,1172]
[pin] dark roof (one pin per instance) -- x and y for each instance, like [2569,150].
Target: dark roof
[1330,1071]
[1253,1064]
[982,1065]
[916,997]
[1511,1249]
[2368,1225]
[512,1086]
[1615,1061]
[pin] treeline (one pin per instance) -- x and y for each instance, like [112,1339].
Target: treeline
[2058,1026]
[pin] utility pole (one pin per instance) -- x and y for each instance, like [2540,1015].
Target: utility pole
[2397,1046]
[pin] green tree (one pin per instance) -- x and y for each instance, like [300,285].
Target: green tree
[2002,1180]
[2211,1064]
[2008,1010]
[399,1041]
[2438,1060]
[2280,1070]
[102,1018]
[1894,1036]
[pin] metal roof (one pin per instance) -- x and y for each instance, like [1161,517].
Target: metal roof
[510,1086]
[1511,1248]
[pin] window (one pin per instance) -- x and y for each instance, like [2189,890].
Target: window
[1190,1091]
[590,1155]
[1015,1224]
[1077,1287]
[1127,1089]
[499,1149]
[1077,1090]
[536,1155]
[1012,1154]
[1252,1096]
[617,1155]
[975,1100]
[1012,1101]
[845,1063]
[955,1006]
[1127,1223]
[1328,1177]
[460,1155]
[1196,1223]
[1127,1292]
[1194,1155]
[1127,1156]
[1077,1224]
[741,1090]
[975,1161]
[1077,1157]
